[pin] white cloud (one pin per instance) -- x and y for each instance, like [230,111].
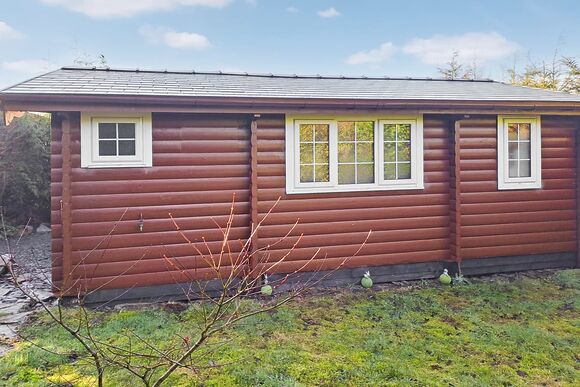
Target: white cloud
[374,56]
[8,33]
[128,8]
[330,12]
[471,47]
[174,39]
[292,9]
[29,66]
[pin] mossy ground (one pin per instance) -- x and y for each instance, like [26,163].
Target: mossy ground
[502,332]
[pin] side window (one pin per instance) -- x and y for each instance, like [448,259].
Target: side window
[519,156]
[113,141]
[117,138]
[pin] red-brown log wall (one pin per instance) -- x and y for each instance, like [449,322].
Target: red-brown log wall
[517,222]
[407,226]
[200,162]
[55,200]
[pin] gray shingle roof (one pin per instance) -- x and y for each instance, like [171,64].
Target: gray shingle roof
[83,81]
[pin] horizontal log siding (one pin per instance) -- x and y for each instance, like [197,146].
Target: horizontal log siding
[200,162]
[56,197]
[518,222]
[407,226]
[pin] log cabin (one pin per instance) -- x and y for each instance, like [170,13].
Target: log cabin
[475,173]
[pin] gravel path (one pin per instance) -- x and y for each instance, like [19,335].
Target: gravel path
[32,267]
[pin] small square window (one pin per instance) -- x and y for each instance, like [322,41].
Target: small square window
[116,141]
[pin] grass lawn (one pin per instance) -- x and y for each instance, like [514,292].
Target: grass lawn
[523,331]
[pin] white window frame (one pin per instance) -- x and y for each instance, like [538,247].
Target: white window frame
[90,157]
[417,176]
[293,184]
[534,181]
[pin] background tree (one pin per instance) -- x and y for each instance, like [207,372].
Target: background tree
[25,169]
[454,69]
[560,74]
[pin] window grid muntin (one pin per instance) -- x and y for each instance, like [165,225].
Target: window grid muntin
[396,142]
[519,141]
[355,143]
[117,139]
[313,142]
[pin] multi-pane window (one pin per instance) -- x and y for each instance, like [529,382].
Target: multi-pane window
[353,154]
[519,153]
[116,139]
[356,152]
[397,151]
[314,162]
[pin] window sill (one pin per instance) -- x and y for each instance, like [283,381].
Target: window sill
[117,165]
[368,188]
[506,186]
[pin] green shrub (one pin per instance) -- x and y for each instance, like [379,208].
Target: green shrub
[25,169]
[568,278]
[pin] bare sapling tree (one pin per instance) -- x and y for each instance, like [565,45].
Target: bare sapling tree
[455,69]
[217,284]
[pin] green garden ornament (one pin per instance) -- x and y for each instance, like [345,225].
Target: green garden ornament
[366,281]
[266,289]
[445,278]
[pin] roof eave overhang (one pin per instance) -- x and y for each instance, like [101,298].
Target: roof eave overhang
[113,103]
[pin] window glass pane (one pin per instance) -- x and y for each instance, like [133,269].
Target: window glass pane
[365,173]
[346,174]
[306,133]
[346,153]
[390,132]
[513,150]
[107,130]
[365,152]
[365,131]
[127,130]
[346,131]
[126,147]
[524,131]
[306,173]
[513,169]
[390,151]
[512,132]
[404,171]
[107,148]
[404,133]
[321,173]
[524,150]
[321,153]
[525,170]
[320,132]
[390,171]
[404,151]
[306,153]
[314,153]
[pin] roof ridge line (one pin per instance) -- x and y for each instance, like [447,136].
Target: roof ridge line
[258,75]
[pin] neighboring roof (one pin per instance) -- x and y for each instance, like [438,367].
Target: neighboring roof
[115,82]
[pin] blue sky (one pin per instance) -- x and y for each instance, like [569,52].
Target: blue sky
[395,38]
